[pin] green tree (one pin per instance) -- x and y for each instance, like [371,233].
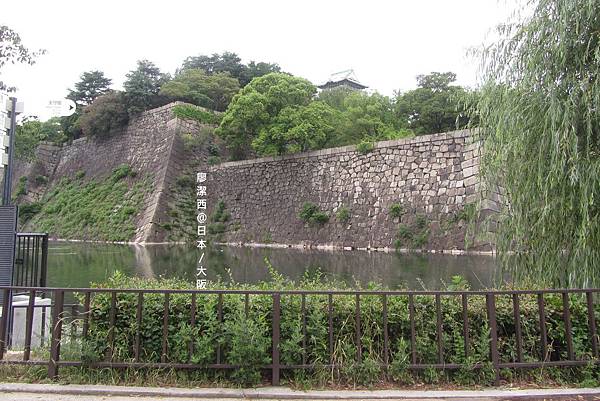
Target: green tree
[298,129]
[195,86]
[13,51]
[540,123]
[257,105]
[230,63]
[30,132]
[91,85]
[364,117]
[435,106]
[142,86]
[105,115]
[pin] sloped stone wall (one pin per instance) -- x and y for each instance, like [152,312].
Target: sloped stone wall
[432,177]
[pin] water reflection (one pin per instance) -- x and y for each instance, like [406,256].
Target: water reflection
[78,264]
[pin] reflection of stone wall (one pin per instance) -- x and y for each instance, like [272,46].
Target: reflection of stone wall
[431,176]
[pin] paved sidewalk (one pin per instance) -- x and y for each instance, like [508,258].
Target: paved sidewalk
[56,392]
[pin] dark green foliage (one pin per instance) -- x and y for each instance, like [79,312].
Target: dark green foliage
[220,214]
[310,213]
[365,147]
[190,112]
[107,114]
[212,160]
[343,214]
[396,210]
[245,339]
[98,209]
[216,228]
[415,235]
[142,86]
[41,179]
[195,86]
[91,85]
[28,210]
[230,63]
[185,181]
[21,188]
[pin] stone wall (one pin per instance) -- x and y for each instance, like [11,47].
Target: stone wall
[433,177]
[150,145]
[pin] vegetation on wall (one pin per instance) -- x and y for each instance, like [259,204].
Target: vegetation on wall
[311,214]
[539,120]
[97,209]
[190,112]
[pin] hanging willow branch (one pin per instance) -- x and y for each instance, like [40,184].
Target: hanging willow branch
[538,113]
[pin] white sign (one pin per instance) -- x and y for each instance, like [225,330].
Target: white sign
[61,108]
[4,141]
[4,159]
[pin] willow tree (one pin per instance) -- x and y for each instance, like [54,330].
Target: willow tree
[538,113]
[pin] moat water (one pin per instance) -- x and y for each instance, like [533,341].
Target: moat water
[79,264]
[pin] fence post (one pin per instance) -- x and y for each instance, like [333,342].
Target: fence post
[4,324]
[276,326]
[491,310]
[59,297]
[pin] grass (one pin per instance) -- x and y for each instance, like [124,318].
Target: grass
[98,209]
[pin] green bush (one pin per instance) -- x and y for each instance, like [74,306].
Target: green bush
[21,188]
[190,112]
[310,213]
[212,160]
[396,210]
[244,338]
[220,214]
[343,214]
[41,179]
[365,147]
[28,210]
[105,115]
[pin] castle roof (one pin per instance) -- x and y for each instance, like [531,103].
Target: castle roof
[345,77]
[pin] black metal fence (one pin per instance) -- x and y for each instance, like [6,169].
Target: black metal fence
[31,260]
[63,313]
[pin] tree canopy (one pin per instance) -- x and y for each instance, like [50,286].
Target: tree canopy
[257,105]
[91,85]
[195,86]
[539,122]
[142,86]
[13,51]
[435,106]
[230,63]
[107,113]
[30,132]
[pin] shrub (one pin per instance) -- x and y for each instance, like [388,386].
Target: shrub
[343,214]
[185,181]
[41,179]
[28,210]
[105,115]
[21,188]
[212,160]
[80,174]
[190,112]
[244,336]
[220,213]
[121,172]
[396,210]
[365,147]
[310,213]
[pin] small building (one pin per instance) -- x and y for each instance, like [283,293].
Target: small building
[343,79]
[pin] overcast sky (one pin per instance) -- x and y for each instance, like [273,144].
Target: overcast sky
[387,43]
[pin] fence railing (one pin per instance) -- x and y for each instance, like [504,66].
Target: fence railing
[31,260]
[549,315]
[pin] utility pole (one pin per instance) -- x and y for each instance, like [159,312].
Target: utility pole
[9,108]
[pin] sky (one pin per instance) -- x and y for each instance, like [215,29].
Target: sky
[387,43]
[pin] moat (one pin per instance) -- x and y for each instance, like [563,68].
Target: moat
[79,264]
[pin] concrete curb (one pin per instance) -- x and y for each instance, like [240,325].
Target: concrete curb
[283,393]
